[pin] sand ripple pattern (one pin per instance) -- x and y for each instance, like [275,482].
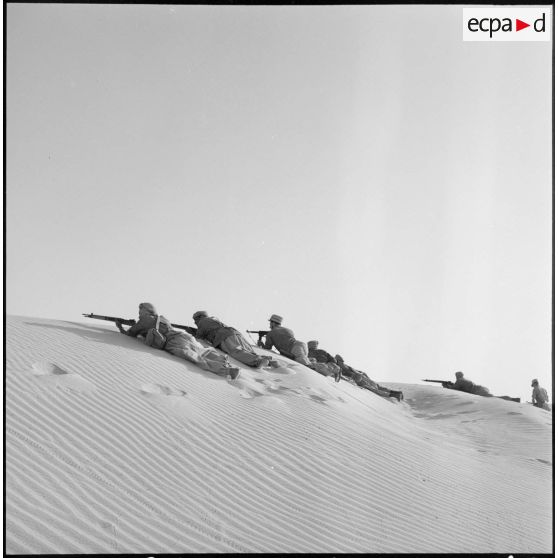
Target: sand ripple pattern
[113,447]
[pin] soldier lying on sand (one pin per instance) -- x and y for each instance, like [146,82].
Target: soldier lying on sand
[323,362]
[362,380]
[179,343]
[462,384]
[228,339]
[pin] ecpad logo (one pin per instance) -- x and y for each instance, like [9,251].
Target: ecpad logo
[494,24]
[506,24]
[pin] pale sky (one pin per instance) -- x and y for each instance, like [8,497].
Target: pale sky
[360,170]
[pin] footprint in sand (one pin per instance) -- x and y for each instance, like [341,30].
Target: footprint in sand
[158,389]
[250,388]
[317,398]
[271,385]
[47,369]
[51,375]
[249,393]
[265,385]
[440,416]
[272,402]
[280,370]
[264,393]
[261,388]
[310,393]
[171,400]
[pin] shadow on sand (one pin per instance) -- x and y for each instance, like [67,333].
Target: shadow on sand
[97,334]
[102,335]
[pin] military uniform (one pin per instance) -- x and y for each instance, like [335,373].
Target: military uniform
[228,339]
[181,343]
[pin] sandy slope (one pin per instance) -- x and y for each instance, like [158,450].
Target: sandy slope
[113,447]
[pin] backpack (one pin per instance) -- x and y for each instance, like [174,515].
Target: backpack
[154,338]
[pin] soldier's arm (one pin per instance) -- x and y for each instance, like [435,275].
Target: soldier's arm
[268,342]
[330,358]
[131,331]
[201,332]
[137,329]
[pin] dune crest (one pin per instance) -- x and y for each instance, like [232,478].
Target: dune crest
[114,447]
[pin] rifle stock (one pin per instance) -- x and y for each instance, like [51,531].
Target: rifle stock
[190,330]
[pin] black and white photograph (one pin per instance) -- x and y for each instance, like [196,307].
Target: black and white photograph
[278,278]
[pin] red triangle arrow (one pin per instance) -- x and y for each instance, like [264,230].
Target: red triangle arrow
[519,25]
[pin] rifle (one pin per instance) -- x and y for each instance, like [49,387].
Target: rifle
[508,398]
[445,383]
[131,322]
[260,333]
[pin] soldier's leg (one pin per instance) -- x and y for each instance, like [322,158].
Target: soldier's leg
[321,368]
[237,347]
[184,352]
[185,346]
[207,359]
[216,362]
[300,353]
[336,371]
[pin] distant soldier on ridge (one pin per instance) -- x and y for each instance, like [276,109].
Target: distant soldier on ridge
[462,384]
[539,397]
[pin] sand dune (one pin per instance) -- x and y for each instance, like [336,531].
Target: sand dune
[114,447]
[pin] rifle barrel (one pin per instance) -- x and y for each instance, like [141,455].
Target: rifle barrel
[110,319]
[190,330]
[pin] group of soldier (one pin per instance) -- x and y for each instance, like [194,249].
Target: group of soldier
[283,339]
[186,344]
[539,396]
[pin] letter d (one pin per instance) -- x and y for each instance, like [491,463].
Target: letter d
[537,21]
